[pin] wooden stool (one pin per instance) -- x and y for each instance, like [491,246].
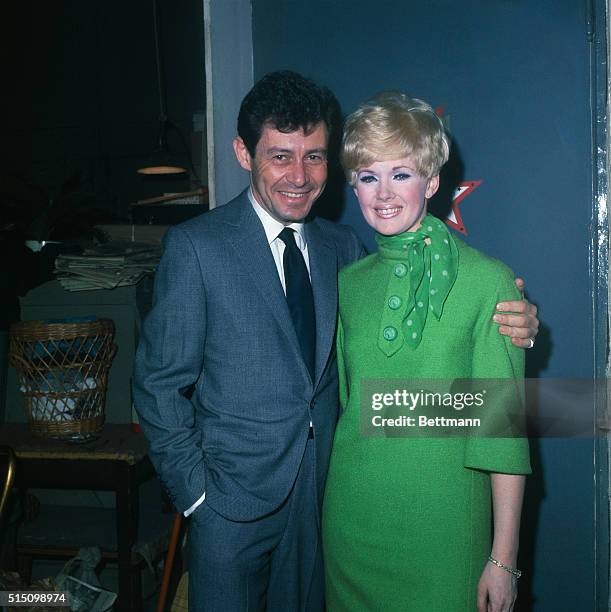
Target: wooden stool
[116,461]
[58,532]
[7,475]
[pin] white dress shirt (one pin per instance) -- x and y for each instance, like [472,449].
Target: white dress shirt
[272,229]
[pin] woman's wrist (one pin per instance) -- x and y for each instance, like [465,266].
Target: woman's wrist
[508,555]
[510,569]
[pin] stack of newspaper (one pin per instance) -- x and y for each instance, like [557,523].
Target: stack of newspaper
[106,266]
[84,597]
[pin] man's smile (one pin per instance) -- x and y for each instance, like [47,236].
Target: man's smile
[294,195]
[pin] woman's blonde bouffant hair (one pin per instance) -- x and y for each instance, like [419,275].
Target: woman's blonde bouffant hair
[392,125]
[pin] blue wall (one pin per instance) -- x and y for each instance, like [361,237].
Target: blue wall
[514,79]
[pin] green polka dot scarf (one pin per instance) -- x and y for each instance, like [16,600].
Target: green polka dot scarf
[423,273]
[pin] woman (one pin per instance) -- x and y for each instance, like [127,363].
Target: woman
[406,521]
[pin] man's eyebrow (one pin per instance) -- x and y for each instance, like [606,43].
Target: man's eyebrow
[276,150]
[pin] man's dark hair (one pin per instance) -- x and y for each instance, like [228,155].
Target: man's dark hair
[286,101]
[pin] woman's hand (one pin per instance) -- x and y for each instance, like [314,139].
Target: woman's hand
[497,590]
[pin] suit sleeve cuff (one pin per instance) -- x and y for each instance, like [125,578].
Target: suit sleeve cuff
[195,505]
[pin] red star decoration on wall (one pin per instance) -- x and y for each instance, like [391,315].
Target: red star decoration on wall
[454,219]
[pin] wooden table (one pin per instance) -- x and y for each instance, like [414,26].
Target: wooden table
[116,461]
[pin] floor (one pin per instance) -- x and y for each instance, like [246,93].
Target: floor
[108,580]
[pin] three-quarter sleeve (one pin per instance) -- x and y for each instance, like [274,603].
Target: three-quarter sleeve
[501,365]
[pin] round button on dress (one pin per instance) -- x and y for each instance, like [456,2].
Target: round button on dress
[389,333]
[394,302]
[400,270]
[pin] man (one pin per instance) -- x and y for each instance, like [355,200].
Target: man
[235,380]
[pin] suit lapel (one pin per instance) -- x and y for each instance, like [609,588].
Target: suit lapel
[250,243]
[323,271]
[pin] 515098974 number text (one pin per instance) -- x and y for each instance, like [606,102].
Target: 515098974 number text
[33,599]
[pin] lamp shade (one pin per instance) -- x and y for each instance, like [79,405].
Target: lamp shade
[160,163]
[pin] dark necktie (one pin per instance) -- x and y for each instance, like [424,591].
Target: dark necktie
[299,297]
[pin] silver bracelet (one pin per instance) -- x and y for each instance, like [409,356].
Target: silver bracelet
[514,572]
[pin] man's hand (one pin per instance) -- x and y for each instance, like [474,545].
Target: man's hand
[497,590]
[522,325]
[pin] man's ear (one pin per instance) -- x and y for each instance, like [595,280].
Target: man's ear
[432,187]
[242,154]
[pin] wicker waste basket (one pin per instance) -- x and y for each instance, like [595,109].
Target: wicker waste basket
[63,375]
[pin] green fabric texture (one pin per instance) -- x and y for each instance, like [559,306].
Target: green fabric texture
[406,521]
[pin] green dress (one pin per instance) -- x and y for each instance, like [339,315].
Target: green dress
[407,521]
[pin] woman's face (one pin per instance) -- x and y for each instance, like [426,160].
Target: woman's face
[393,195]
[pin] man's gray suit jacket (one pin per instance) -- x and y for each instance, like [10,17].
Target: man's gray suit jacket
[220,385]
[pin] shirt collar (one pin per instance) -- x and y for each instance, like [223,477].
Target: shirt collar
[273,227]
